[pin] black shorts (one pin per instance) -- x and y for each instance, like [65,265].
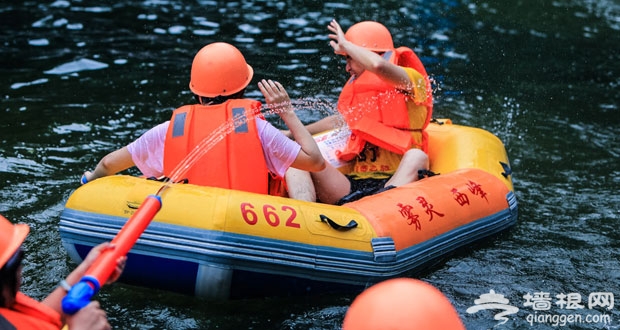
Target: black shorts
[362,188]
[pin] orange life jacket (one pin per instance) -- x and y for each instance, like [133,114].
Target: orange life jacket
[28,313]
[378,113]
[235,159]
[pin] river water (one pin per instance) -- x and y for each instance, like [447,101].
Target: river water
[82,78]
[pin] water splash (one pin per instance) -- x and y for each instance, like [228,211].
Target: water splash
[228,127]
[505,127]
[323,107]
[435,85]
[313,109]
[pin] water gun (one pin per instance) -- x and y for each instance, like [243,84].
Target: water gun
[98,273]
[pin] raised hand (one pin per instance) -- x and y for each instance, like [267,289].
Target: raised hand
[337,37]
[276,96]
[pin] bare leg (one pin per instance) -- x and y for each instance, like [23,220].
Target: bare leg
[299,184]
[407,171]
[330,184]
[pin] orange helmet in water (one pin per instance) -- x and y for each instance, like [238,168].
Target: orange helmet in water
[402,303]
[11,238]
[219,69]
[370,35]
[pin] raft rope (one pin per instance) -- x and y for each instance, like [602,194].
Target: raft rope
[507,170]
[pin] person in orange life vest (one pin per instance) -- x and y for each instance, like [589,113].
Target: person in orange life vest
[387,104]
[247,156]
[18,311]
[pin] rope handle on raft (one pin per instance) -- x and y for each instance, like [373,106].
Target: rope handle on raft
[507,170]
[352,224]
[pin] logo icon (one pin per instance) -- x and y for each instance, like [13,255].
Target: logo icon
[494,301]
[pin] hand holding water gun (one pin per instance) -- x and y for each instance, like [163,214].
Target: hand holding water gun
[105,262]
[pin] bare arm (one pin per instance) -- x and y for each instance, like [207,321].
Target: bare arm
[114,162]
[54,299]
[325,124]
[322,125]
[370,60]
[309,157]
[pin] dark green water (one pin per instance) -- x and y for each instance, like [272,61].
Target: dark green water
[542,75]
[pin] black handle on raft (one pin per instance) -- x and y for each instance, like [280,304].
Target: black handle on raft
[352,224]
[507,169]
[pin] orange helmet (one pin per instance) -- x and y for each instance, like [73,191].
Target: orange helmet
[402,303]
[11,237]
[370,35]
[219,69]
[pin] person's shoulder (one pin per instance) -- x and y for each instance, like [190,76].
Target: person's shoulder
[159,128]
[163,125]
[260,122]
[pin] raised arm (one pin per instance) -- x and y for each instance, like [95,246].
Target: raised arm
[309,157]
[369,60]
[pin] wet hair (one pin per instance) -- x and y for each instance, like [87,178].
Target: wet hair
[8,275]
[218,99]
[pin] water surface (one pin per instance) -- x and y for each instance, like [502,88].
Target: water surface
[82,79]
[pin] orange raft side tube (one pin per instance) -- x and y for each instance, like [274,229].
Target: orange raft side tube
[433,206]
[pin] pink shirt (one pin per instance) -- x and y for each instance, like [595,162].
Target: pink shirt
[147,151]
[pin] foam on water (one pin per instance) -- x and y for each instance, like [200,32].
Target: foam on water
[83,64]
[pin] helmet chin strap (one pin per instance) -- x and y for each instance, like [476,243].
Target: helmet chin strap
[203,100]
[211,100]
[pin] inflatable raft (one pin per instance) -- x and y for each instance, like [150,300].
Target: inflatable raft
[224,244]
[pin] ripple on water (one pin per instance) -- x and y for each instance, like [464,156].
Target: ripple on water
[39,42]
[325,318]
[608,10]
[83,64]
[74,127]
[30,83]
[24,165]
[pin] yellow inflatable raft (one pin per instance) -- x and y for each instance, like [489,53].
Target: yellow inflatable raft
[221,243]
